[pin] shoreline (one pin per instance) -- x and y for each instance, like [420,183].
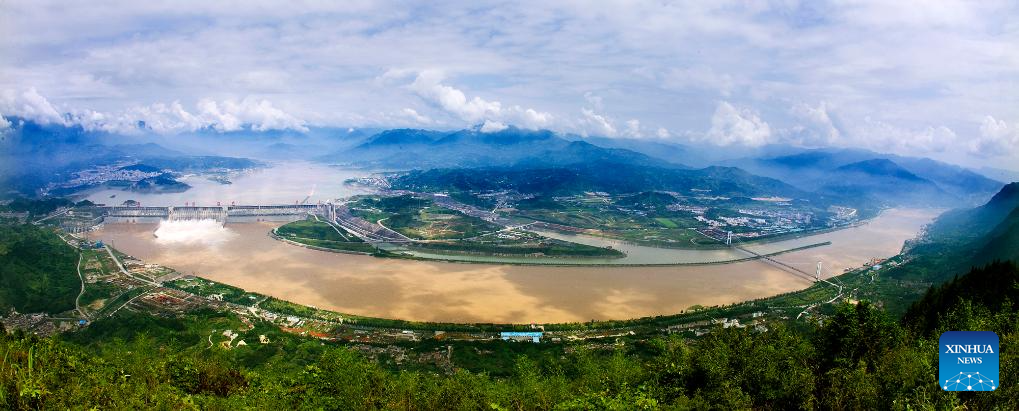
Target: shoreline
[370,277]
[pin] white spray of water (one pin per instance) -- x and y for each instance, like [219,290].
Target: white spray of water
[198,232]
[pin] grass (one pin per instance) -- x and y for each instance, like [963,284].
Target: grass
[437,223]
[667,223]
[206,288]
[314,229]
[320,234]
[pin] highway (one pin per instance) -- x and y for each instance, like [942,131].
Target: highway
[124,270]
[77,300]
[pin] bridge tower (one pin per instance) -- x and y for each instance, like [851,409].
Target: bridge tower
[728,238]
[817,274]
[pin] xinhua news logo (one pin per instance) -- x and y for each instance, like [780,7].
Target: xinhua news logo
[968,361]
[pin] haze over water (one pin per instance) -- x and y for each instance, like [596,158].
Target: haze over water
[279,183]
[437,291]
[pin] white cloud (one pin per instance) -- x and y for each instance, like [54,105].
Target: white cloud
[814,127]
[882,136]
[632,129]
[732,125]
[493,126]
[595,124]
[261,115]
[223,116]
[662,132]
[4,125]
[997,138]
[29,105]
[665,63]
[415,116]
[428,85]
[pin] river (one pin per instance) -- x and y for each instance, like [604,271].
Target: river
[243,255]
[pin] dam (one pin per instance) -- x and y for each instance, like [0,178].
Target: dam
[222,214]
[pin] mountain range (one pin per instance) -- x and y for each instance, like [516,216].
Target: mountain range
[424,149]
[888,179]
[37,154]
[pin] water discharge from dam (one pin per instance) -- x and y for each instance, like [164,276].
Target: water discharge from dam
[438,291]
[209,233]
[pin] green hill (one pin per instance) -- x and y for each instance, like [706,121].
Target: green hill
[1002,243]
[37,271]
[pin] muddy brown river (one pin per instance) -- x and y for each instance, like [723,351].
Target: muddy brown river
[244,255]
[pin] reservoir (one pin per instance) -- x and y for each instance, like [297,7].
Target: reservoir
[279,183]
[243,255]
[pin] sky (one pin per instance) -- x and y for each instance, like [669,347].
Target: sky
[938,79]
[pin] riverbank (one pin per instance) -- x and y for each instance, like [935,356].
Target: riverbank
[500,293]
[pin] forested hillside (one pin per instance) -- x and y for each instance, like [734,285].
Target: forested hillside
[37,271]
[857,359]
[855,356]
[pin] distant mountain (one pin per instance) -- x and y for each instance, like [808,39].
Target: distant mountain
[412,148]
[891,179]
[611,177]
[998,174]
[979,221]
[33,155]
[879,167]
[883,181]
[663,150]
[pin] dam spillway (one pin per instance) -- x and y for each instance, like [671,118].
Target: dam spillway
[223,214]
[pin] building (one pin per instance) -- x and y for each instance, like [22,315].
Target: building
[532,336]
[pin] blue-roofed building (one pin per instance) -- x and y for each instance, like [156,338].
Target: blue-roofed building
[532,336]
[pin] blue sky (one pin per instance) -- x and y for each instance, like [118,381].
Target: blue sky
[938,79]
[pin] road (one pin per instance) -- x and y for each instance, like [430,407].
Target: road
[129,302]
[77,301]
[124,270]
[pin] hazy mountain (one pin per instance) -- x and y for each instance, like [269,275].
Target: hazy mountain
[888,178]
[663,150]
[884,181]
[978,221]
[998,174]
[412,148]
[33,155]
[612,177]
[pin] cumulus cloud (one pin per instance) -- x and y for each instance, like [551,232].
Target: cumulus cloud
[733,125]
[885,137]
[4,125]
[997,138]
[662,132]
[261,115]
[348,64]
[493,126]
[415,116]
[428,85]
[815,127]
[592,123]
[632,129]
[224,116]
[30,105]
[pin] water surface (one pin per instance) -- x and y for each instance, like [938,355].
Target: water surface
[279,183]
[440,291]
